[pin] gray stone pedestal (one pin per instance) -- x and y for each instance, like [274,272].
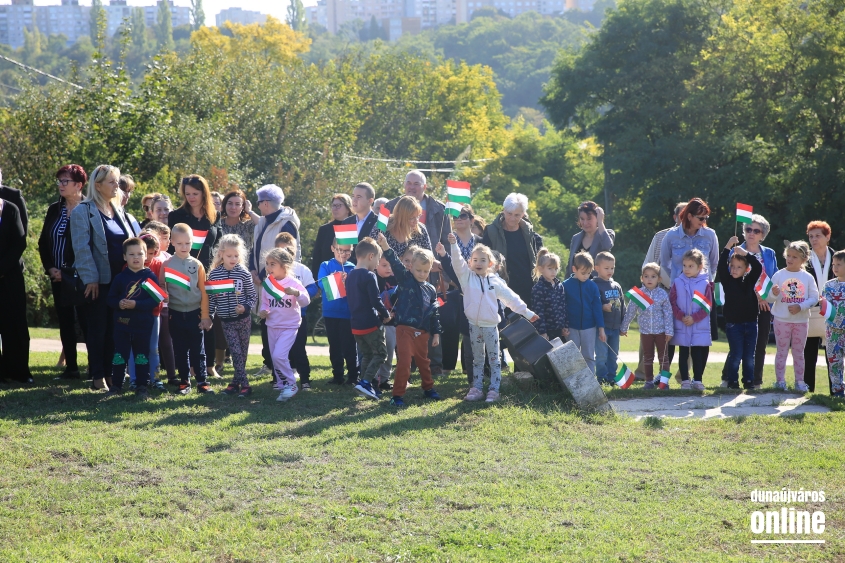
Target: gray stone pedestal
[574,376]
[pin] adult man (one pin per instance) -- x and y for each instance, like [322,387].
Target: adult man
[14,196]
[433,217]
[363,217]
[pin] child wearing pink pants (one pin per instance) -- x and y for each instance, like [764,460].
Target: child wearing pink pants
[282,296]
[793,292]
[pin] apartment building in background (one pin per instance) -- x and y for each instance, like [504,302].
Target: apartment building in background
[239,15]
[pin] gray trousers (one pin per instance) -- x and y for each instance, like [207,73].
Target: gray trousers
[586,342]
[383,375]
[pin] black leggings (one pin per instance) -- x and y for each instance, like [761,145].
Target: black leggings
[699,361]
[67,326]
[811,356]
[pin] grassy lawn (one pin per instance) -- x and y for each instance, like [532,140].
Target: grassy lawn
[329,476]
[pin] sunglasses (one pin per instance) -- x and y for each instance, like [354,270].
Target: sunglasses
[464,216]
[146,207]
[751,230]
[703,219]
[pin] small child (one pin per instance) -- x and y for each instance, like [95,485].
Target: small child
[583,309]
[133,319]
[612,306]
[165,343]
[834,292]
[692,322]
[656,323]
[368,315]
[298,356]
[738,275]
[793,292]
[337,318]
[153,263]
[281,301]
[231,302]
[387,289]
[549,297]
[416,317]
[184,276]
[482,291]
[162,233]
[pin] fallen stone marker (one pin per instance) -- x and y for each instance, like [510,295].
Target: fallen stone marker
[571,370]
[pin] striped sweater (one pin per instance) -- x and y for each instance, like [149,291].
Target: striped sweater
[223,304]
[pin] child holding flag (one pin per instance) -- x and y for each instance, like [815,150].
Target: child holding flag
[738,275]
[651,303]
[134,293]
[184,277]
[833,310]
[331,277]
[152,262]
[691,297]
[281,300]
[793,292]
[231,296]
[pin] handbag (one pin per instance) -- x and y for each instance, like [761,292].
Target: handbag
[72,288]
[817,324]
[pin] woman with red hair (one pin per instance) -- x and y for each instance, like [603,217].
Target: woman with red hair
[820,267]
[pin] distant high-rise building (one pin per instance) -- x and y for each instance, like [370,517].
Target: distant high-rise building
[14,19]
[69,19]
[239,15]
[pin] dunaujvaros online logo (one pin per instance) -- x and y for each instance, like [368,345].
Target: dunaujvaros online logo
[794,522]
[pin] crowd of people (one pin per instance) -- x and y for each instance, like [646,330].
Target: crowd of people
[173,298]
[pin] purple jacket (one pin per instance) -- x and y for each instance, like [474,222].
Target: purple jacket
[698,334]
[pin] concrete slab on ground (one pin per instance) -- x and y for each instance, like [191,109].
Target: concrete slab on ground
[717,406]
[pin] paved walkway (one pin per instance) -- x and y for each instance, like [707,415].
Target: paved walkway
[717,406]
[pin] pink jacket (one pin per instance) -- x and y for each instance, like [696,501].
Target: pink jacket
[287,312]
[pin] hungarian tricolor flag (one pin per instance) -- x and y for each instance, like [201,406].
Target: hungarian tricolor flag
[719,295]
[699,299]
[764,286]
[274,288]
[440,302]
[177,278]
[826,309]
[383,218]
[639,298]
[198,239]
[663,381]
[625,377]
[333,287]
[458,195]
[346,234]
[743,213]
[219,286]
[157,293]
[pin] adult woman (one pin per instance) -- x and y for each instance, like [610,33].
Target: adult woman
[147,206]
[98,228]
[594,236]
[56,252]
[341,209]
[404,228]
[511,234]
[755,234]
[217,199]
[238,217]
[160,208]
[14,334]
[820,266]
[198,213]
[478,226]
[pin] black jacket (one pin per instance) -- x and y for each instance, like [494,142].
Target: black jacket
[12,241]
[45,240]
[740,297]
[365,231]
[14,196]
[206,253]
[322,250]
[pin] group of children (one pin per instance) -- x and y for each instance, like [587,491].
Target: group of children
[163,302]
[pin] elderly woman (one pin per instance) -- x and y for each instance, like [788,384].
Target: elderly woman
[511,234]
[56,252]
[820,267]
[99,225]
[755,234]
[594,236]
[404,228]
[341,208]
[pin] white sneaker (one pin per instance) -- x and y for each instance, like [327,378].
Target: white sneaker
[474,394]
[262,372]
[698,386]
[686,384]
[492,396]
[287,392]
[802,387]
[780,385]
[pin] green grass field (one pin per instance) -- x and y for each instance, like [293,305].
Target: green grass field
[330,476]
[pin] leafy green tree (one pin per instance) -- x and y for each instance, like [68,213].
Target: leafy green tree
[197,14]
[95,17]
[296,18]
[164,26]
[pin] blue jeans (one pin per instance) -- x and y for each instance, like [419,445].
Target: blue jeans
[742,339]
[153,354]
[605,359]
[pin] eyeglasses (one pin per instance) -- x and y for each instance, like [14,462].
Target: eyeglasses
[64,182]
[703,219]
[750,230]
[334,205]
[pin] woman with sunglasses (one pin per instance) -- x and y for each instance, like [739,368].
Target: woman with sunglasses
[756,233]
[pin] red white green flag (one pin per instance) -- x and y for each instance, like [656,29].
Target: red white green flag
[764,286]
[639,298]
[743,213]
[274,288]
[157,293]
[198,239]
[826,309]
[440,302]
[383,218]
[719,295]
[219,286]
[663,382]
[458,194]
[625,377]
[699,299]
[346,234]
[177,278]
[333,286]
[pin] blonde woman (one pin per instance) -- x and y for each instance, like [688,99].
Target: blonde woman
[404,228]
[99,225]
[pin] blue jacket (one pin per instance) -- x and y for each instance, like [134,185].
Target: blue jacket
[91,251]
[127,285]
[698,334]
[416,303]
[583,304]
[770,259]
[339,308]
[549,302]
[365,305]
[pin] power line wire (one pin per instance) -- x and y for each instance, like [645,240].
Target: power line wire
[414,161]
[47,74]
